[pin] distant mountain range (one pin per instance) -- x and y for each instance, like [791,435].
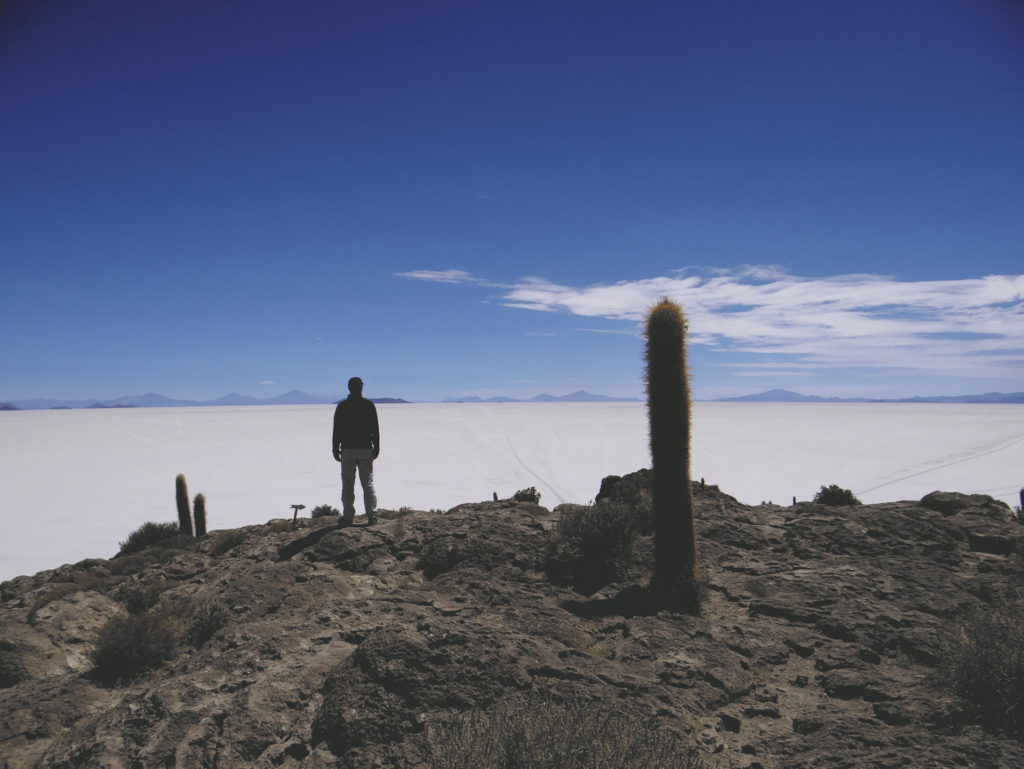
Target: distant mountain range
[787,396]
[153,400]
[298,398]
[580,396]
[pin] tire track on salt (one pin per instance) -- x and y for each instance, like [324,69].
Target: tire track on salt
[944,465]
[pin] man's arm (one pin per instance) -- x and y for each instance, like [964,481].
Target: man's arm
[375,431]
[336,434]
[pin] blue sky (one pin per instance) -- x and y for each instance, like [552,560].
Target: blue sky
[479,198]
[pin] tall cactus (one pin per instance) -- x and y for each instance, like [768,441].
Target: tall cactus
[200,508]
[184,514]
[668,408]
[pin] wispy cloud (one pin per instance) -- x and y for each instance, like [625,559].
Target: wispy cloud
[618,331]
[443,276]
[972,326]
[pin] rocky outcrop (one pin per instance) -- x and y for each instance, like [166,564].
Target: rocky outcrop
[821,642]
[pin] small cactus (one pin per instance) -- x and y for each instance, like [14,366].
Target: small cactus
[200,513]
[668,406]
[184,515]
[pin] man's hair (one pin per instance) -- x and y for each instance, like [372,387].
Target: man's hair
[355,385]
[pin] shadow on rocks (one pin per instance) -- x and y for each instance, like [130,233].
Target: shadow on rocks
[637,601]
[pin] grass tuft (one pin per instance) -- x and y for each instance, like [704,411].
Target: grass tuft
[986,668]
[533,732]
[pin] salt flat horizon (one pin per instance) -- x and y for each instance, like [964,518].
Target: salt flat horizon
[73,484]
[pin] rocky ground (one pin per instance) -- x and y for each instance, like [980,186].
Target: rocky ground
[821,642]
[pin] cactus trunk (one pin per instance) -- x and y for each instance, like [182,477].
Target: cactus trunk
[668,407]
[184,515]
[200,508]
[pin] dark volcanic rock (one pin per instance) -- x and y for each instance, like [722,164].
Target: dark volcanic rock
[821,642]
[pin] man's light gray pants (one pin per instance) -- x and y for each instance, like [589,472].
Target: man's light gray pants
[351,460]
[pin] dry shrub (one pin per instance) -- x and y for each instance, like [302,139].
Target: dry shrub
[986,665]
[527,495]
[207,618]
[226,540]
[149,534]
[836,496]
[533,732]
[129,645]
[323,510]
[593,546]
[140,597]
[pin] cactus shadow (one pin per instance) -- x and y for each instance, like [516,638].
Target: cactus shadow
[302,543]
[637,601]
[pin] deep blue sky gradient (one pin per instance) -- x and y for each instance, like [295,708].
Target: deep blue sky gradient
[205,197]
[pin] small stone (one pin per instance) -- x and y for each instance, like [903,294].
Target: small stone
[729,723]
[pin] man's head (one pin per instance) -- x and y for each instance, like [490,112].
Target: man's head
[355,386]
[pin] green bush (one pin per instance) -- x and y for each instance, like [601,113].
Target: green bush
[527,495]
[593,545]
[986,668]
[323,510]
[834,496]
[532,732]
[149,534]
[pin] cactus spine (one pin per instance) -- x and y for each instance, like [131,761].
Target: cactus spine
[200,513]
[184,515]
[668,408]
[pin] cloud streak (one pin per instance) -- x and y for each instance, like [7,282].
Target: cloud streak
[965,327]
[444,276]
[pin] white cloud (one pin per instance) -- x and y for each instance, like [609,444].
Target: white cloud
[969,327]
[268,382]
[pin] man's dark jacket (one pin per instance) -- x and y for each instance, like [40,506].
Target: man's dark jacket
[355,426]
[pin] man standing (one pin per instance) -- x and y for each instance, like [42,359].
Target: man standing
[356,443]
